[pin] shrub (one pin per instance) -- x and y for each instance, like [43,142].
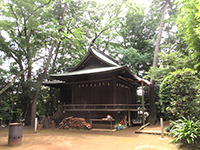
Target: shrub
[179,95]
[186,131]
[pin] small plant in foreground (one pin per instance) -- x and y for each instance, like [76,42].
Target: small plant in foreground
[186,131]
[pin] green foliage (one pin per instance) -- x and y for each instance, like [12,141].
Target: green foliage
[135,60]
[5,111]
[48,102]
[169,62]
[188,26]
[32,26]
[136,43]
[188,23]
[179,95]
[186,131]
[10,109]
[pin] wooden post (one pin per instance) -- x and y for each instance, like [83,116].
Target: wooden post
[36,120]
[143,121]
[72,102]
[129,118]
[125,120]
[114,92]
[162,130]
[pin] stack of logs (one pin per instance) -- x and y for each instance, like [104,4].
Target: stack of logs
[74,123]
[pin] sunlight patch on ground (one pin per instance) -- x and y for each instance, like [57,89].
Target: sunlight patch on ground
[147,147]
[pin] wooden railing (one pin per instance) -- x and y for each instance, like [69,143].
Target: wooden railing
[102,107]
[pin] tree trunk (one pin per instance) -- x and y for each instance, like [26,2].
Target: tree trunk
[157,48]
[152,118]
[34,104]
[33,109]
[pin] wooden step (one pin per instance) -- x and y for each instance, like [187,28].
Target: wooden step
[104,130]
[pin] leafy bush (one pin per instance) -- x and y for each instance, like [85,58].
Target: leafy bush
[169,127]
[5,110]
[179,95]
[186,131]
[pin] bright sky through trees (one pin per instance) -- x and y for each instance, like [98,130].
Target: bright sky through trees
[142,2]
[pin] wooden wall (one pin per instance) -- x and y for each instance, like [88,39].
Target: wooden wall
[66,95]
[123,93]
[103,92]
[93,93]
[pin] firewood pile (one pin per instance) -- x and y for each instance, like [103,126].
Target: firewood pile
[74,123]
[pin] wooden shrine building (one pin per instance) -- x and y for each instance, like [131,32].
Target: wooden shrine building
[96,87]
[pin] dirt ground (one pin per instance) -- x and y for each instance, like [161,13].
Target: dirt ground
[60,139]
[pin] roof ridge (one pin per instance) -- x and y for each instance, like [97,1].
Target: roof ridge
[101,52]
[105,57]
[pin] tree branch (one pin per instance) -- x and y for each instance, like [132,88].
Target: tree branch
[17,60]
[17,42]
[38,8]
[8,85]
[97,36]
[16,20]
[63,15]
[43,5]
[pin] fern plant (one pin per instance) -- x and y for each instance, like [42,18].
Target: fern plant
[186,131]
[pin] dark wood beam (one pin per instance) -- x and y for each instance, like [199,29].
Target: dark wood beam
[83,82]
[114,92]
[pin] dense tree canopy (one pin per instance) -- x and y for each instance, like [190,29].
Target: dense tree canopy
[36,31]
[136,47]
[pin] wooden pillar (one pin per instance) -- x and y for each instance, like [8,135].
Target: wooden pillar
[143,121]
[162,128]
[133,95]
[72,101]
[129,118]
[114,92]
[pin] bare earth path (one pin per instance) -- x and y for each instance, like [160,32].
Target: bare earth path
[59,139]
